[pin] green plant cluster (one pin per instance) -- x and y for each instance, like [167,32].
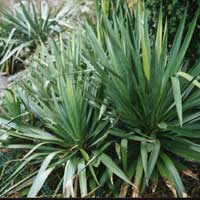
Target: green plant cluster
[109,111]
[27,26]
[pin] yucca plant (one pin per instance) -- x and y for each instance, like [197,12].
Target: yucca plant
[31,24]
[73,136]
[124,91]
[148,87]
[27,28]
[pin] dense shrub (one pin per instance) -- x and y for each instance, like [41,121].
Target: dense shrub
[174,10]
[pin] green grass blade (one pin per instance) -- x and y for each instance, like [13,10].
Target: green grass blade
[177,97]
[174,174]
[108,162]
[82,178]
[42,175]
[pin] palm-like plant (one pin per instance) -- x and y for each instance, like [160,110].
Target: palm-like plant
[122,91]
[73,138]
[31,24]
[149,89]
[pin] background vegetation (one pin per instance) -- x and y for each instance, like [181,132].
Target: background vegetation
[173,10]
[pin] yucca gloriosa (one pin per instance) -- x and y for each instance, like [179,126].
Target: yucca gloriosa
[149,89]
[28,27]
[74,140]
[136,81]
[31,24]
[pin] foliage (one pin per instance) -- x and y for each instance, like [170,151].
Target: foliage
[150,93]
[73,136]
[174,10]
[109,111]
[31,25]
